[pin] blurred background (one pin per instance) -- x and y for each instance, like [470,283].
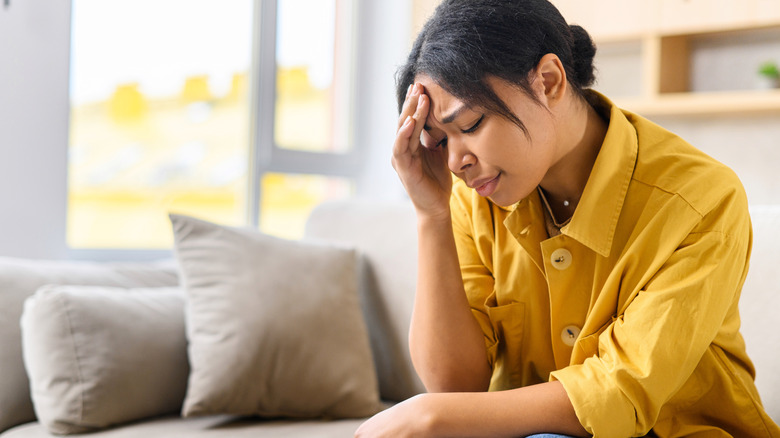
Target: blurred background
[114,113]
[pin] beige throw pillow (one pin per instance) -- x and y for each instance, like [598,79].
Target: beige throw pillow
[274,326]
[101,356]
[20,278]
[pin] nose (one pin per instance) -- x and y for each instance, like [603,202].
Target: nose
[459,158]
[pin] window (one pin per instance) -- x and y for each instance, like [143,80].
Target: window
[305,117]
[314,75]
[238,112]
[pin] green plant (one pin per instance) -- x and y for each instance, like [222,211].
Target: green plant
[770,70]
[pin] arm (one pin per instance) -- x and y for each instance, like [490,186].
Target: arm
[543,408]
[447,345]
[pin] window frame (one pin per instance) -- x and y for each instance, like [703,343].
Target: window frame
[266,155]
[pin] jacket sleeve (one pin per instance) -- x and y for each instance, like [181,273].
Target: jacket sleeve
[654,344]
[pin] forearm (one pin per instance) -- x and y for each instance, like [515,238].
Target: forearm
[447,345]
[543,408]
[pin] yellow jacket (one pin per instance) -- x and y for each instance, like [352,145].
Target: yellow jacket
[633,308]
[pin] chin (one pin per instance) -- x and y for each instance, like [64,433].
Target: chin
[507,200]
[502,201]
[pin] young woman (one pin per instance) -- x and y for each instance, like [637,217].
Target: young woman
[581,274]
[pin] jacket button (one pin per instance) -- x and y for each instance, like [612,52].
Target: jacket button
[569,335]
[561,259]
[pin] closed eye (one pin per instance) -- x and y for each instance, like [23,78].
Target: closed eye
[474,127]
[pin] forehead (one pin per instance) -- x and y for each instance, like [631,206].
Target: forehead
[442,103]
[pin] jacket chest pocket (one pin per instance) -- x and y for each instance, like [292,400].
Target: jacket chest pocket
[508,323]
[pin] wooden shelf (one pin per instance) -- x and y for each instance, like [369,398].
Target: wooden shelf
[733,103]
[730,28]
[650,51]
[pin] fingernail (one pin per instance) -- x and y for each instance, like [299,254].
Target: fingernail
[408,120]
[409,90]
[420,101]
[415,89]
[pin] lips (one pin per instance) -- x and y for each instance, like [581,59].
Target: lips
[486,186]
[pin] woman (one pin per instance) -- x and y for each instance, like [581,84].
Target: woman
[585,266]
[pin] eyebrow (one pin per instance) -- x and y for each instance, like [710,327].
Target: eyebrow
[449,118]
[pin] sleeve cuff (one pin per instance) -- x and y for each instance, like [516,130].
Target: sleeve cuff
[602,408]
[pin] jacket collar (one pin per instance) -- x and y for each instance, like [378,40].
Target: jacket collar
[595,219]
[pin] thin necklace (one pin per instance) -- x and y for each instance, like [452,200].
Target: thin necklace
[553,227]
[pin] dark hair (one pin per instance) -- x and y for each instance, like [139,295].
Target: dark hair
[467,40]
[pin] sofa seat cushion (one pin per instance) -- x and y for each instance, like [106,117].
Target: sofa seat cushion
[213,427]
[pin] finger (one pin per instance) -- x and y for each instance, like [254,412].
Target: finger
[408,110]
[401,144]
[420,115]
[410,105]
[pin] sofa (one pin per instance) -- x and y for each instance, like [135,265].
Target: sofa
[50,382]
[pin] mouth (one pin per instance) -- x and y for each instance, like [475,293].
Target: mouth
[486,186]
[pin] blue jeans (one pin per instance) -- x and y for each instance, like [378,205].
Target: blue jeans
[548,435]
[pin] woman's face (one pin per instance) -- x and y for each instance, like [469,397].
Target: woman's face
[487,151]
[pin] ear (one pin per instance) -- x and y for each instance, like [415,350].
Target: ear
[550,78]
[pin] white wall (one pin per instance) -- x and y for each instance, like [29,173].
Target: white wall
[34,42]
[384,28]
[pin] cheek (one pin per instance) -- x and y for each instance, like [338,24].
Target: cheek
[513,150]
[541,140]
[525,160]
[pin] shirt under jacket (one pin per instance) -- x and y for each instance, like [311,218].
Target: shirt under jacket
[633,307]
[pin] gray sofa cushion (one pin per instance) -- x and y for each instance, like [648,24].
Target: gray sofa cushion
[274,326]
[99,356]
[19,279]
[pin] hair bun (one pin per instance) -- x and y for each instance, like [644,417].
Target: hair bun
[583,50]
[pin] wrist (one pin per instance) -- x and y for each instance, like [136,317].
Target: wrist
[435,218]
[427,418]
